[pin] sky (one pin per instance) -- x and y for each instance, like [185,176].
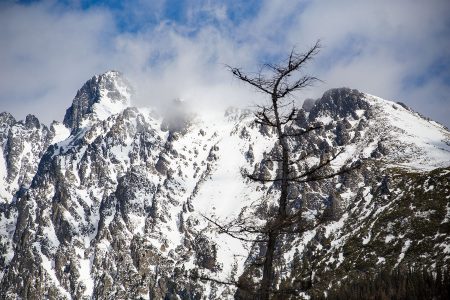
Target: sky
[398,50]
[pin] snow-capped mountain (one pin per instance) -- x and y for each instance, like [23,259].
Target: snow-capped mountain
[111,203]
[98,99]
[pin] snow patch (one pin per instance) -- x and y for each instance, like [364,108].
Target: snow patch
[405,248]
[61,132]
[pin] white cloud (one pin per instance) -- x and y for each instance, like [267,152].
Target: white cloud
[164,65]
[378,46]
[45,55]
[373,46]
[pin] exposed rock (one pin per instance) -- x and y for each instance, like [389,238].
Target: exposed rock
[308,104]
[109,91]
[342,102]
[117,210]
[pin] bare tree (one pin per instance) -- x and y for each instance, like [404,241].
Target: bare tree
[280,82]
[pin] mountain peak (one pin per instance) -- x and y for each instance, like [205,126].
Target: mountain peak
[342,102]
[100,97]
[127,197]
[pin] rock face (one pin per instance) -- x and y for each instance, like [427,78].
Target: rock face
[100,97]
[113,204]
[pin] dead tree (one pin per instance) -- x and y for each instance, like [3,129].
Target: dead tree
[279,82]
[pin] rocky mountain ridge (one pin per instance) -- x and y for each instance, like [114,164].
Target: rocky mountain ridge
[110,203]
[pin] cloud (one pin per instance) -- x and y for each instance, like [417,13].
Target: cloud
[390,49]
[46,54]
[382,47]
[50,51]
[165,64]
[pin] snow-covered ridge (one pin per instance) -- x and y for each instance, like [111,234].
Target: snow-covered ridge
[426,143]
[383,129]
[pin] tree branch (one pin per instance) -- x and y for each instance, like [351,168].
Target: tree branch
[318,167]
[303,131]
[258,82]
[322,177]
[232,234]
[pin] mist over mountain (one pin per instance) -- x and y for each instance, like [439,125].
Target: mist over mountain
[110,203]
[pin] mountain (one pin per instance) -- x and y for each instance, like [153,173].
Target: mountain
[114,202]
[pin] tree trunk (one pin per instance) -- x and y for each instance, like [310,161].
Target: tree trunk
[266,282]
[278,85]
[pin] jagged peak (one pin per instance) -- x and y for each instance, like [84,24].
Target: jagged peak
[100,97]
[32,122]
[341,102]
[7,118]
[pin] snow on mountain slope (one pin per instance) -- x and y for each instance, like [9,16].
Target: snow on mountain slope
[401,135]
[22,145]
[429,141]
[114,98]
[60,132]
[117,208]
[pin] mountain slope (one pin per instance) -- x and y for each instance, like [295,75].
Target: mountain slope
[116,209]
